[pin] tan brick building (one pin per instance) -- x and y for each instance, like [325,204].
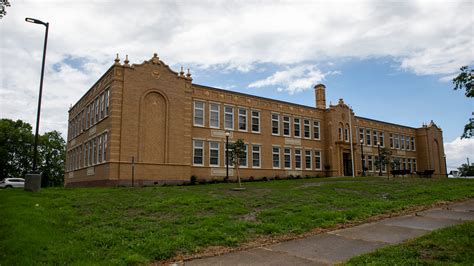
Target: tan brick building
[173,129]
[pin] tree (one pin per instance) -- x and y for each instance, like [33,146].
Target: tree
[466,170]
[52,157]
[237,153]
[16,152]
[16,142]
[465,81]
[3,5]
[384,158]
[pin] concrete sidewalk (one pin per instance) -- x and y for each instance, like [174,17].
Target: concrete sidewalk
[340,245]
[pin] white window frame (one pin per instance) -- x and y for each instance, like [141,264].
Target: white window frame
[226,114]
[277,120]
[211,112]
[346,134]
[375,137]
[104,148]
[317,129]
[285,117]
[285,154]
[308,153]
[362,135]
[298,155]
[211,149]
[244,117]
[368,137]
[307,125]
[246,158]
[402,142]
[299,127]
[195,141]
[318,155]
[195,113]
[382,139]
[259,152]
[252,120]
[107,99]
[279,157]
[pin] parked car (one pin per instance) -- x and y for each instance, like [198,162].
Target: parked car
[12,182]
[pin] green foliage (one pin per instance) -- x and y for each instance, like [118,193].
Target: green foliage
[16,142]
[395,164]
[52,157]
[16,152]
[236,155]
[465,81]
[449,246]
[384,158]
[466,170]
[122,226]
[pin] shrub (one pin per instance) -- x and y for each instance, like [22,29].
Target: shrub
[193,180]
[277,177]
[264,178]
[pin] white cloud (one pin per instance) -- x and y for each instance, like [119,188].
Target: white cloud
[457,151]
[426,37]
[293,80]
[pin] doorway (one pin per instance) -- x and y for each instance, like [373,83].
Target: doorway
[347,162]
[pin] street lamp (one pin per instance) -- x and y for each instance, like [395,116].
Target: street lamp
[380,159]
[227,134]
[362,150]
[35,178]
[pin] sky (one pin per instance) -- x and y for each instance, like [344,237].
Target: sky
[389,60]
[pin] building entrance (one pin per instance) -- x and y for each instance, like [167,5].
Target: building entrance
[347,163]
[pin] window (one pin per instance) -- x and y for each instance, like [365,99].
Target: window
[316,130]
[214,115]
[256,156]
[361,135]
[102,105]
[317,160]
[198,155]
[199,114]
[87,116]
[376,164]
[340,133]
[276,157]
[97,106]
[225,155]
[286,126]
[90,153]
[255,121]
[287,157]
[107,102]
[99,149]
[214,153]
[92,114]
[375,137]
[409,165]
[367,139]
[404,163]
[346,134]
[407,143]
[86,148]
[275,124]
[402,142]
[413,148]
[414,165]
[94,152]
[229,117]
[382,139]
[104,149]
[307,159]
[243,160]
[297,158]
[242,119]
[369,161]
[307,129]
[297,127]
[397,143]
[391,141]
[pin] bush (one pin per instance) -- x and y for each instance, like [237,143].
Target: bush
[264,178]
[193,180]
[277,177]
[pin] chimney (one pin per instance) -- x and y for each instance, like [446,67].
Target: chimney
[320,92]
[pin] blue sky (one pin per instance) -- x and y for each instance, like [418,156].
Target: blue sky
[390,60]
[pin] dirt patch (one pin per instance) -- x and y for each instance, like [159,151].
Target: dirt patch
[262,241]
[250,217]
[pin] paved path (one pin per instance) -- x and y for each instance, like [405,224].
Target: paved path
[340,245]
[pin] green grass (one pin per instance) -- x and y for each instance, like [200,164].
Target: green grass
[450,246]
[102,226]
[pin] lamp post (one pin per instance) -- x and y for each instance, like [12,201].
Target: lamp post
[227,134]
[33,181]
[362,156]
[380,159]
[36,21]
